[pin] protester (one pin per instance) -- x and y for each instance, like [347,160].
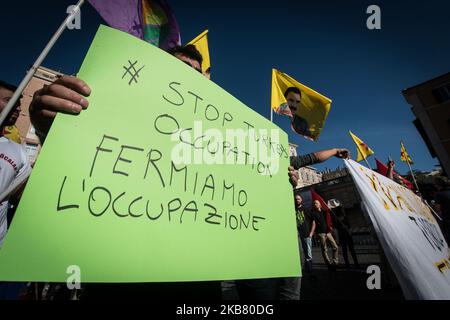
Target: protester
[345,236]
[323,230]
[14,165]
[286,288]
[289,288]
[391,174]
[306,228]
[13,158]
[189,55]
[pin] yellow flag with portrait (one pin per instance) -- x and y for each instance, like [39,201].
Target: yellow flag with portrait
[307,108]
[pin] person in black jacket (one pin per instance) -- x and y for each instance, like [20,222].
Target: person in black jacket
[345,236]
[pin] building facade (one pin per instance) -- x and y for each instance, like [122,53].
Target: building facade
[431,105]
[43,76]
[308,176]
[330,175]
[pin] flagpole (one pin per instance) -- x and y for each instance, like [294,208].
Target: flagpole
[432,210]
[412,175]
[271,114]
[38,62]
[367,162]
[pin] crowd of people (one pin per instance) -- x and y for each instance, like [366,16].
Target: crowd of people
[69,95]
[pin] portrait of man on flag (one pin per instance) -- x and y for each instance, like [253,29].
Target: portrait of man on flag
[307,109]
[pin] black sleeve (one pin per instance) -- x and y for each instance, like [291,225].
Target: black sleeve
[303,161]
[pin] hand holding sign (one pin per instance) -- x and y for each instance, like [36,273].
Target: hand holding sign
[66,95]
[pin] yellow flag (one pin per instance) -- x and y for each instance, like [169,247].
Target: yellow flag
[363,149]
[12,133]
[201,43]
[404,156]
[307,109]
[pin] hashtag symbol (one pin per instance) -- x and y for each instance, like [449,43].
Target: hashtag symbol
[131,70]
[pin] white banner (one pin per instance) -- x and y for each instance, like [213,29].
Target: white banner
[408,232]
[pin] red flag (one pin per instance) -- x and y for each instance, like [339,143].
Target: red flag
[382,169]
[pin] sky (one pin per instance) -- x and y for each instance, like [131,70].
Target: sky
[323,44]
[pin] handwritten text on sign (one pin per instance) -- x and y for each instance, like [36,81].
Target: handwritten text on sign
[165,177]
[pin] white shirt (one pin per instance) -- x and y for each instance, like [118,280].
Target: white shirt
[13,164]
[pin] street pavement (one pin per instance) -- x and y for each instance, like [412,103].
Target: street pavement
[342,283]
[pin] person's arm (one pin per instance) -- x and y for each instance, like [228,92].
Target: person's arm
[303,160]
[390,170]
[66,95]
[313,229]
[336,152]
[317,157]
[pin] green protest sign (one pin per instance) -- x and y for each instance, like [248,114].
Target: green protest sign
[166,177]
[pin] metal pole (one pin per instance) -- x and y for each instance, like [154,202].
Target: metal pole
[412,175]
[367,162]
[38,62]
[432,210]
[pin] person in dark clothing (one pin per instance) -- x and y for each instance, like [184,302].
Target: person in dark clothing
[289,288]
[306,228]
[323,230]
[345,236]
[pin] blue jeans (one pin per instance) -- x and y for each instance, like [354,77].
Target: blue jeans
[307,253]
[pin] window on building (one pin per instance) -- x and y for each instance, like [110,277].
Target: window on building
[442,94]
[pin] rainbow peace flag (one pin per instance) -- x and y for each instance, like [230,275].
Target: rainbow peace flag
[150,20]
